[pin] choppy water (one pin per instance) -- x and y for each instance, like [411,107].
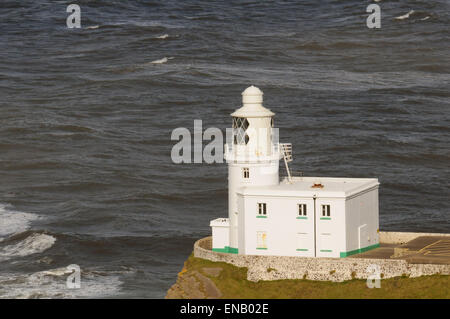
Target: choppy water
[86,118]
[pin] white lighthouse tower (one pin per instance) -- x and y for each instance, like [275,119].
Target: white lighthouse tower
[253,159]
[297,216]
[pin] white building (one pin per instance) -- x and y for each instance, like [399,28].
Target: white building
[299,216]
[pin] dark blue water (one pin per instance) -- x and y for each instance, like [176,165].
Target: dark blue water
[86,120]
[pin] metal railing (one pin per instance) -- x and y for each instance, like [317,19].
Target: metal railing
[237,153]
[286,150]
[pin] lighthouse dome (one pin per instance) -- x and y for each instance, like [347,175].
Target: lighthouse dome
[252,99]
[252,94]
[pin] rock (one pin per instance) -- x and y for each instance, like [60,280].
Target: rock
[194,285]
[186,287]
[212,271]
[209,288]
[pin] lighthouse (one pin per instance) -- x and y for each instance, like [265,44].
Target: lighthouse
[252,157]
[296,216]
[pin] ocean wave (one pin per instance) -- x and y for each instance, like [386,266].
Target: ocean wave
[52,284]
[161,61]
[405,16]
[12,221]
[164,36]
[33,244]
[142,24]
[69,128]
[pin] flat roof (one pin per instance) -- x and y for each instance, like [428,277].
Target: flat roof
[310,186]
[220,222]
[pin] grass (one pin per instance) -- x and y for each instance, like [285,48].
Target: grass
[233,283]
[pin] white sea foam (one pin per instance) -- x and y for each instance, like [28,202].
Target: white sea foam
[12,221]
[426,18]
[93,27]
[33,244]
[52,284]
[405,16]
[164,36]
[152,23]
[160,61]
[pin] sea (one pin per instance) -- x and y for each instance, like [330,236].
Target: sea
[87,115]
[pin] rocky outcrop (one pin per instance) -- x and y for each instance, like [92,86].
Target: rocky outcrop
[194,285]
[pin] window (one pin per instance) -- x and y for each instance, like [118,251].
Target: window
[240,122]
[246,172]
[240,125]
[301,209]
[325,210]
[262,210]
[261,240]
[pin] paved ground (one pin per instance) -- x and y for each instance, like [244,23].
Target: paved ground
[422,250]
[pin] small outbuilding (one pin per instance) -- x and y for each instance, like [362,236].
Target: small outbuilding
[309,217]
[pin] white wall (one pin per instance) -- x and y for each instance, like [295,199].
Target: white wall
[330,233]
[280,226]
[283,228]
[259,132]
[288,235]
[242,225]
[220,237]
[362,210]
[260,175]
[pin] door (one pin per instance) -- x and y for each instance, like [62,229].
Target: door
[304,220]
[325,244]
[363,237]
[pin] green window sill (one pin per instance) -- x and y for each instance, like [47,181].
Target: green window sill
[301,249]
[261,216]
[325,218]
[325,250]
[259,248]
[302,217]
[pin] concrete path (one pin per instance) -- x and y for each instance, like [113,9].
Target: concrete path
[421,250]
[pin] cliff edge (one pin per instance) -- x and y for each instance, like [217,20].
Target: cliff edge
[204,279]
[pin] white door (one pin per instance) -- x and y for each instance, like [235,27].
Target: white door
[363,236]
[304,220]
[324,228]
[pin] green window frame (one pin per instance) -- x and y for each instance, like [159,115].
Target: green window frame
[262,210]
